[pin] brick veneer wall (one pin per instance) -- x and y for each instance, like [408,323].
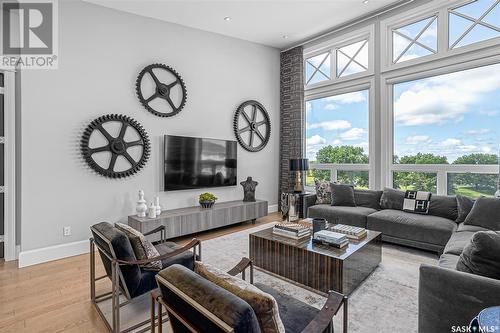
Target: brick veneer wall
[291,113]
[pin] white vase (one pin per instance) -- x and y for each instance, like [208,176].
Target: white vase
[141,208]
[157,205]
[152,211]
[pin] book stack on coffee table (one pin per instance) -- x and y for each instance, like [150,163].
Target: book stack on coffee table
[349,230]
[292,230]
[331,238]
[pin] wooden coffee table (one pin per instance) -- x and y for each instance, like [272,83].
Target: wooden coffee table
[315,266]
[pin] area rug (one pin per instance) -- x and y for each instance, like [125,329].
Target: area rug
[385,302]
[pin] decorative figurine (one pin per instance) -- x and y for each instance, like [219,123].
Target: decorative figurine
[249,189]
[141,208]
[157,205]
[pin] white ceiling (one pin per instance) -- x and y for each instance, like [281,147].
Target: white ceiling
[259,21]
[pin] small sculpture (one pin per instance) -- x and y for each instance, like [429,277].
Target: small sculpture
[249,189]
[157,205]
[141,208]
[152,211]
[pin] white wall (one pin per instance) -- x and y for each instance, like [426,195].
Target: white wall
[101,53]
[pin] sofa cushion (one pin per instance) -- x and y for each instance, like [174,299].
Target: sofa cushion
[444,206]
[263,304]
[485,213]
[367,198]
[474,228]
[343,195]
[392,199]
[421,228]
[355,216]
[228,307]
[323,191]
[457,242]
[464,206]
[417,202]
[296,315]
[143,248]
[448,261]
[481,256]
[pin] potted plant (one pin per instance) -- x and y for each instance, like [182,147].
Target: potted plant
[207,200]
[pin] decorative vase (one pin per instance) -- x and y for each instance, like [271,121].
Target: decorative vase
[207,204]
[141,208]
[152,211]
[157,205]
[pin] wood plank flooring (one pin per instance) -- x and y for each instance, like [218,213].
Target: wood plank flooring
[54,296]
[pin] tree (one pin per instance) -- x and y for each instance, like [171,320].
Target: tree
[343,155]
[480,182]
[421,181]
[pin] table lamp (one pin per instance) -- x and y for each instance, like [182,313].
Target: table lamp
[298,165]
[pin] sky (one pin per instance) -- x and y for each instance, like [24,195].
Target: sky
[449,115]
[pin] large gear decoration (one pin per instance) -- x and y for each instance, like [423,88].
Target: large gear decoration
[117,146]
[162,91]
[249,134]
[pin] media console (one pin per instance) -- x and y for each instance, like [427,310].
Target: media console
[185,221]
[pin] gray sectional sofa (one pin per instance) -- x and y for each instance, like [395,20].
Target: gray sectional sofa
[447,297]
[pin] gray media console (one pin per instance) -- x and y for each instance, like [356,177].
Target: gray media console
[185,221]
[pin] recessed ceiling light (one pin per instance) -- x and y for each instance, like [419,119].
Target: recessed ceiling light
[284,36]
[365,1]
[227,18]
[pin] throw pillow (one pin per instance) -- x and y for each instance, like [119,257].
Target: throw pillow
[444,206]
[263,304]
[485,213]
[323,192]
[368,198]
[392,199]
[464,205]
[417,202]
[482,255]
[142,247]
[343,195]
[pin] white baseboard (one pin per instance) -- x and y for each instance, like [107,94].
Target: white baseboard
[272,208]
[38,256]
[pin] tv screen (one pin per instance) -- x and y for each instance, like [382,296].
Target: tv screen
[192,163]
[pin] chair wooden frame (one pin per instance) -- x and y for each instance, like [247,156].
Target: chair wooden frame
[118,285]
[320,323]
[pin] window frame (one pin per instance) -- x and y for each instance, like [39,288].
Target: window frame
[332,46]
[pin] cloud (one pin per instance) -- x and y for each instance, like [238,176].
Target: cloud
[349,98]
[330,106]
[418,139]
[488,113]
[352,134]
[450,142]
[478,132]
[330,125]
[337,142]
[446,98]
[315,140]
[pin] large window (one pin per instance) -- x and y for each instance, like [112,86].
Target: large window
[452,120]
[337,133]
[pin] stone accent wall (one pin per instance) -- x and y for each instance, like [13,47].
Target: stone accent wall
[291,113]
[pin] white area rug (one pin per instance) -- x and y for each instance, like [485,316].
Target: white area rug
[385,302]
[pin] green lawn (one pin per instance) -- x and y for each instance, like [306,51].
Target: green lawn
[470,192]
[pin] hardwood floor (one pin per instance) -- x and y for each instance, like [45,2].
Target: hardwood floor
[54,297]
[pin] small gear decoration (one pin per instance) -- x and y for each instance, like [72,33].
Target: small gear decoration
[117,146]
[252,128]
[161,99]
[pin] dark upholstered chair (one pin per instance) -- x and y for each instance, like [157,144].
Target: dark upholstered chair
[195,304]
[122,268]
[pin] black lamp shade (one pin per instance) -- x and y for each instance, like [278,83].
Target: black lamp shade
[299,164]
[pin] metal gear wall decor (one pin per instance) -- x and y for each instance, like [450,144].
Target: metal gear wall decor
[247,128]
[163,91]
[117,146]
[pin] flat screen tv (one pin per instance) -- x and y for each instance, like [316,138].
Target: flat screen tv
[192,163]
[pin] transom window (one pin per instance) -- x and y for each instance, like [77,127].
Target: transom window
[415,40]
[352,59]
[318,68]
[474,22]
